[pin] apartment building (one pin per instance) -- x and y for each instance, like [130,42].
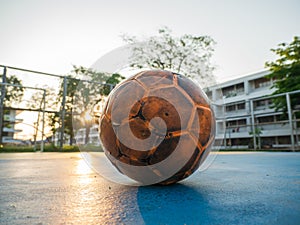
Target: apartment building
[246,118]
[80,136]
[9,130]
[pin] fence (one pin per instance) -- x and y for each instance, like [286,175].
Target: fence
[254,125]
[259,126]
[29,98]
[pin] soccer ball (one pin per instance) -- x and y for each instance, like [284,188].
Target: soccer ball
[157,127]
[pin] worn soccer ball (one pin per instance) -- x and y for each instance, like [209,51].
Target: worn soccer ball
[157,127]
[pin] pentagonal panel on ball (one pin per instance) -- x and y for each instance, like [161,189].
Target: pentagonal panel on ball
[156,107]
[153,78]
[108,137]
[193,90]
[203,126]
[124,101]
[177,102]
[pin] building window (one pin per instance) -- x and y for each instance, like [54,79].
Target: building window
[244,141]
[230,108]
[233,90]
[235,123]
[231,123]
[265,119]
[260,103]
[240,88]
[235,107]
[281,117]
[241,106]
[267,142]
[241,122]
[228,91]
[209,94]
[262,82]
[263,104]
[284,140]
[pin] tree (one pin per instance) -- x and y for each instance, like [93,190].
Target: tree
[286,72]
[89,95]
[72,84]
[36,102]
[256,135]
[13,94]
[85,89]
[113,80]
[189,55]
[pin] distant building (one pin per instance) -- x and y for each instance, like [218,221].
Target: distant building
[9,130]
[244,102]
[94,139]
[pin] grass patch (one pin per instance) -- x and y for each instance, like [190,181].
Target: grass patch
[258,150]
[11,149]
[47,148]
[66,148]
[93,148]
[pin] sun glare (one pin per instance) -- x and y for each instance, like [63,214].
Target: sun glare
[87,116]
[82,168]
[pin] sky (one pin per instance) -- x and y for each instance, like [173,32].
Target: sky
[53,35]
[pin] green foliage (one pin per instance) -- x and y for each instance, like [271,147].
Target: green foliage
[91,148]
[72,84]
[13,95]
[114,79]
[286,71]
[11,149]
[66,148]
[256,133]
[47,148]
[85,90]
[89,94]
[189,55]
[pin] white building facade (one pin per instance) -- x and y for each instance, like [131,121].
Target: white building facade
[9,130]
[248,119]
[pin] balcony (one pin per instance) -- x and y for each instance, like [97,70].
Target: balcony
[274,129]
[11,130]
[236,109]
[233,91]
[238,132]
[12,119]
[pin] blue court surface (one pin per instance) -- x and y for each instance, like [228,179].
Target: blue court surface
[238,188]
